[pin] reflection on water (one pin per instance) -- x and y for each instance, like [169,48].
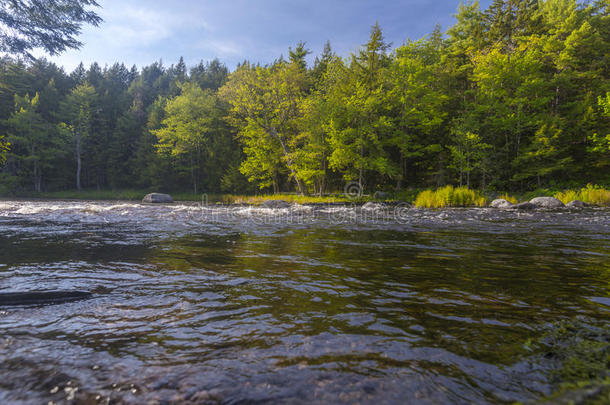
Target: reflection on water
[325,304]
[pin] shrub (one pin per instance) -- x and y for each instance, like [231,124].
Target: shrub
[591,194]
[450,197]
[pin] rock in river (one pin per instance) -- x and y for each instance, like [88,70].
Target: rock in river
[275,204]
[41,297]
[157,198]
[501,203]
[576,204]
[547,202]
[523,206]
[381,195]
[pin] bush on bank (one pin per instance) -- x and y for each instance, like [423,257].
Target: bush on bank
[450,196]
[592,194]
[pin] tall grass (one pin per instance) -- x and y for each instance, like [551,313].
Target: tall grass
[594,195]
[450,197]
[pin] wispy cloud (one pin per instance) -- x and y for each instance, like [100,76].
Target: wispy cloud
[142,27]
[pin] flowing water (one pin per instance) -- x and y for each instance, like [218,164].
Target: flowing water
[319,304]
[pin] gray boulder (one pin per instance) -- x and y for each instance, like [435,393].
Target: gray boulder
[524,206]
[501,203]
[157,198]
[381,195]
[275,204]
[576,204]
[547,202]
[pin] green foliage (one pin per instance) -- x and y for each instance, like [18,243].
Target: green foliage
[192,131]
[265,106]
[51,25]
[467,152]
[79,111]
[594,195]
[4,148]
[450,197]
[515,97]
[291,198]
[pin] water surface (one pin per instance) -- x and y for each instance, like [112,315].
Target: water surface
[299,305]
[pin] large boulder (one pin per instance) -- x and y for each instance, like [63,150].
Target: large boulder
[157,198]
[501,203]
[524,206]
[576,204]
[547,202]
[275,204]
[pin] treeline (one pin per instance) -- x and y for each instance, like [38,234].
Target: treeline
[510,98]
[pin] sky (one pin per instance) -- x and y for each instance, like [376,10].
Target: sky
[144,31]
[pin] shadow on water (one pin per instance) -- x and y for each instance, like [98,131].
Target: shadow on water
[436,311]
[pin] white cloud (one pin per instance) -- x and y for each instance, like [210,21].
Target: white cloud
[131,26]
[222,47]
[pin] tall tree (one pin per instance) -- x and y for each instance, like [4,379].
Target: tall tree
[32,133]
[358,123]
[265,106]
[79,111]
[191,123]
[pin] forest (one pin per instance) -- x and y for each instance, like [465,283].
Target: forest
[510,98]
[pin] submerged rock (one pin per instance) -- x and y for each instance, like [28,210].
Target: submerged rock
[547,202]
[381,195]
[501,203]
[524,206]
[275,204]
[576,204]
[41,297]
[578,396]
[371,206]
[157,198]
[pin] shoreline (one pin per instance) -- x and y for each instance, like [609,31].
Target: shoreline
[447,197]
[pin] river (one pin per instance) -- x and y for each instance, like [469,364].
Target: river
[326,304]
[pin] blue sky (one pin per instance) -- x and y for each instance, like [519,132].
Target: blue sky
[143,31]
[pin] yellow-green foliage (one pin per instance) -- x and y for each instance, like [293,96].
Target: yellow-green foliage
[450,197]
[509,198]
[292,198]
[591,194]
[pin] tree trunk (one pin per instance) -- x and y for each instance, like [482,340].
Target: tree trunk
[275,185]
[461,173]
[468,173]
[361,170]
[78,162]
[401,176]
[36,176]
[289,161]
[193,179]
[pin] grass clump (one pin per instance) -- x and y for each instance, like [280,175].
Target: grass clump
[450,197]
[594,195]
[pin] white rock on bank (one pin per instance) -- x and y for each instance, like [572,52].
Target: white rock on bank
[157,198]
[501,203]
